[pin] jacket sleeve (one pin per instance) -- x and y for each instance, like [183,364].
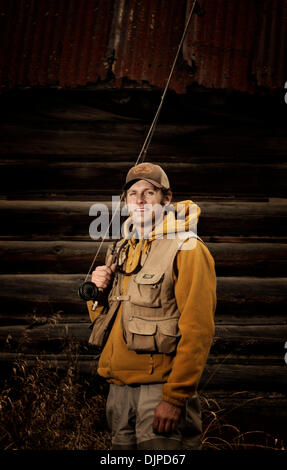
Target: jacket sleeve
[195,293]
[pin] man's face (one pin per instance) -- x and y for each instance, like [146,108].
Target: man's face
[145,203]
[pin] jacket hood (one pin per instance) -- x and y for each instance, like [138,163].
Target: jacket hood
[180,217]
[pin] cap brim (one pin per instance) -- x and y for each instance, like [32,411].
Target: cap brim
[130,183]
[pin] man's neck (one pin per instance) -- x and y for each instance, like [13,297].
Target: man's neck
[143,232]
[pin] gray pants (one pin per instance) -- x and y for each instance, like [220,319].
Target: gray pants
[130,414]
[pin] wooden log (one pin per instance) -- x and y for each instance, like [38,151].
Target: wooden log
[249,259]
[58,338]
[99,194]
[240,377]
[253,345]
[44,220]
[216,178]
[231,259]
[86,130]
[231,334]
[92,354]
[248,345]
[18,317]
[47,293]
[243,295]
[246,377]
[52,256]
[42,294]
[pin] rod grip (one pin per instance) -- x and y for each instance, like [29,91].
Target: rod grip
[109,262]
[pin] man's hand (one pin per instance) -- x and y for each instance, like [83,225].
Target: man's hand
[166,417]
[102,275]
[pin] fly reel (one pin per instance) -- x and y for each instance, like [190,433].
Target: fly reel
[88,291]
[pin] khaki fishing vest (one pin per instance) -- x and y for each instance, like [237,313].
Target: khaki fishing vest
[150,314]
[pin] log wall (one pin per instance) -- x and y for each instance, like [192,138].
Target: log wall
[63,152]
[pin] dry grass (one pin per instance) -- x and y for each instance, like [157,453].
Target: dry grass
[218,434]
[46,409]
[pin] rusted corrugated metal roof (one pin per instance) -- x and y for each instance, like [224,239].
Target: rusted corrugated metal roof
[146,39]
[54,41]
[238,44]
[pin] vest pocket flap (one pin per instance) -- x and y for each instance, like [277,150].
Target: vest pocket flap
[149,277]
[140,326]
[169,327]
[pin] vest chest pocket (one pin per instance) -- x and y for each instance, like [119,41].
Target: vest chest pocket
[146,289]
[152,335]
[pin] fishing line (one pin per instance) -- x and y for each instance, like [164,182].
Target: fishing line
[143,152]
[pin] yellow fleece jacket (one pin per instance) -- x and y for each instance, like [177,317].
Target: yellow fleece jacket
[195,294]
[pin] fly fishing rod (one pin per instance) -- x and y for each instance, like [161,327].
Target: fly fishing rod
[88,290]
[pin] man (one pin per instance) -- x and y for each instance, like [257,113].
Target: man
[156,322]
